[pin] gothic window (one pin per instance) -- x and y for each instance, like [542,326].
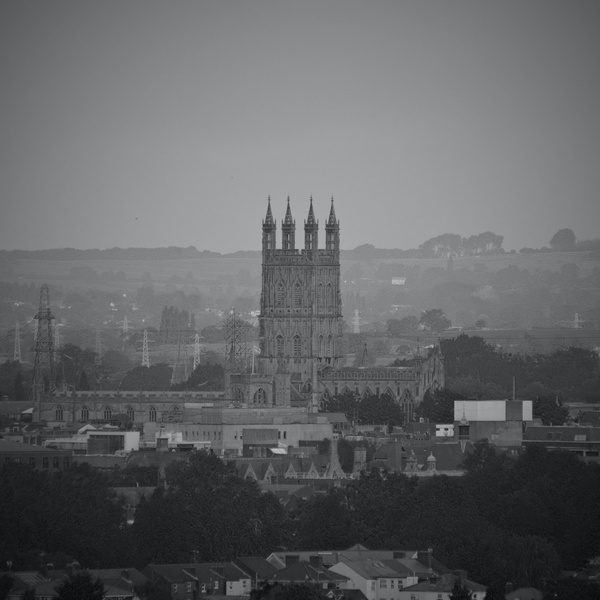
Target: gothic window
[320,298]
[58,413]
[329,299]
[238,393]
[297,295]
[329,345]
[297,345]
[106,413]
[279,294]
[152,415]
[85,413]
[130,413]
[279,345]
[321,345]
[260,396]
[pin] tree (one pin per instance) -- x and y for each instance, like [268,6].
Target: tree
[438,406]
[434,320]
[81,586]
[396,327]
[460,591]
[563,240]
[550,411]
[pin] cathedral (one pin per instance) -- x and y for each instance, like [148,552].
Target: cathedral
[300,325]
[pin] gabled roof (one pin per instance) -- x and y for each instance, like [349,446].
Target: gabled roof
[302,572]
[445,583]
[376,569]
[255,565]
[172,573]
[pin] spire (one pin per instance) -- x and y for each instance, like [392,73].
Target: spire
[332,220]
[288,214]
[311,214]
[269,218]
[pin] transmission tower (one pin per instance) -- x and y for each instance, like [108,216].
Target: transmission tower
[196,351]
[98,357]
[17,354]
[145,355]
[237,338]
[180,369]
[43,368]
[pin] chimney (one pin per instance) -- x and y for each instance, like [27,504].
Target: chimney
[291,559]
[462,576]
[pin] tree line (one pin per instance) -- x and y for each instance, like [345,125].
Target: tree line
[475,369]
[519,519]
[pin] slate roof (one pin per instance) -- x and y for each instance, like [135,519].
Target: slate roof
[525,593]
[445,583]
[302,571]
[255,565]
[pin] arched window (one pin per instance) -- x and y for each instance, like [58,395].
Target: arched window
[280,294]
[279,345]
[106,413]
[320,299]
[85,413]
[130,413]
[329,299]
[297,346]
[58,413]
[152,415]
[260,396]
[321,346]
[329,348]
[297,295]
[238,393]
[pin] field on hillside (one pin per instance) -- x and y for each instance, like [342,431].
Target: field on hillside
[202,272]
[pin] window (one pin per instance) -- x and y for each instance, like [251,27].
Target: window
[106,413]
[383,584]
[329,298]
[297,346]
[45,462]
[85,413]
[130,413]
[58,413]
[189,587]
[174,588]
[279,294]
[152,414]
[55,463]
[320,345]
[66,462]
[297,295]
[372,586]
[320,299]
[32,462]
[279,345]
[260,396]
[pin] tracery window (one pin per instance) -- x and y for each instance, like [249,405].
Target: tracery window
[130,413]
[279,345]
[297,345]
[260,396]
[106,413]
[85,413]
[279,294]
[297,294]
[58,413]
[152,414]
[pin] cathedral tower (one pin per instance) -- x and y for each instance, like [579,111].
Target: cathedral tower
[301,309]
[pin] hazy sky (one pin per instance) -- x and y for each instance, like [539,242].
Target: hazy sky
[169,123]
